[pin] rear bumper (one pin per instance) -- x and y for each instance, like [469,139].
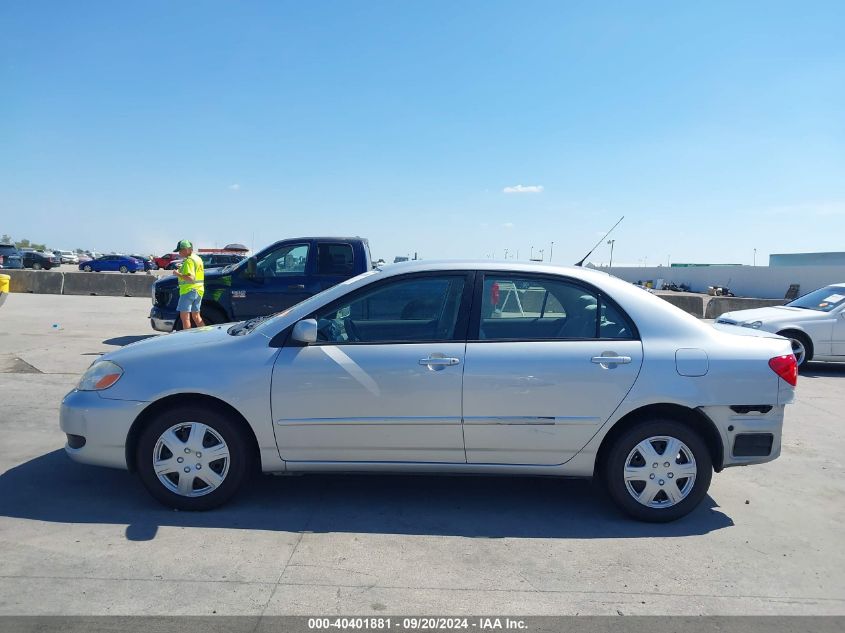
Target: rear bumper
[735,429]
[98,426]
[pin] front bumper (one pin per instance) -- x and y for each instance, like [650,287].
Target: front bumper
[735,429]
[162,320]
[103,424]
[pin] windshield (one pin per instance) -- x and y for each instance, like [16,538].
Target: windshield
[822,300]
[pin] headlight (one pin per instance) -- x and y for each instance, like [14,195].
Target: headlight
[101,375]
[755,325]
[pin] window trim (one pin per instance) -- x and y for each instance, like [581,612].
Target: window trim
[601,296]
[317,272]
[461,321]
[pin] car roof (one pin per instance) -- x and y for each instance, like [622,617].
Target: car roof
[491,264]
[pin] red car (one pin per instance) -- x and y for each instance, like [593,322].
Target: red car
[168,261]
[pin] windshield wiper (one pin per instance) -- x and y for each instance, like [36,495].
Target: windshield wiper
[247,326]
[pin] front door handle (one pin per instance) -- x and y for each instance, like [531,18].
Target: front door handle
[611,360]
[439,361]
[296,287]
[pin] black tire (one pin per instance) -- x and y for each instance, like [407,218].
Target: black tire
[87,268]
[240,457]
[123,269]
[212,315]
[615,464]
[804,340]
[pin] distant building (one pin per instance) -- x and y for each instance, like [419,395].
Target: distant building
[682,265]
[807,259]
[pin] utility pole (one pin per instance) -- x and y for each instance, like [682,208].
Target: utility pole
[611,242]
[551,251]
[755,256]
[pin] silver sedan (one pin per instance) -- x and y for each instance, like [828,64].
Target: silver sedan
[456,367]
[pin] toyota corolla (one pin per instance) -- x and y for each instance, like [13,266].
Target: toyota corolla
[455,367]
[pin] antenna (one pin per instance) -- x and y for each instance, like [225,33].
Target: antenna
[583,259]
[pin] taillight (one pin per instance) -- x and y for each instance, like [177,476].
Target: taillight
[786,367]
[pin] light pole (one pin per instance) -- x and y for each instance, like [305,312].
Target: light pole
[755,256]
[551,251]
[611,242]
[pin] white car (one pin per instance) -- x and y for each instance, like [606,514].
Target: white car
[814,323]
[453,367]
[67,257]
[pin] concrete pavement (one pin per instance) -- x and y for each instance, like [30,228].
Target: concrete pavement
[84,540]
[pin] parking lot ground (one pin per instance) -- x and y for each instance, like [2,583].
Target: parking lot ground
[82,540]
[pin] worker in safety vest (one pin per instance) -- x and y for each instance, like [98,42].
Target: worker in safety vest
[191,276]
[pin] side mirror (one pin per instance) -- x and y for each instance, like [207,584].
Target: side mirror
[305,331]
[251,267]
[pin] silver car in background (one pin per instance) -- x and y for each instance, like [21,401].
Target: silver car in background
[454,367]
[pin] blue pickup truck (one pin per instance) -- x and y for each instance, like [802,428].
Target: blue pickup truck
[281,275]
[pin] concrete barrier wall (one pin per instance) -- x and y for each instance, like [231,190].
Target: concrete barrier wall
[766,282]
[99,284]
[717,306]
[693,304]
[139,285]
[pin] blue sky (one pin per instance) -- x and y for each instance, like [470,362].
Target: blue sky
[714,128]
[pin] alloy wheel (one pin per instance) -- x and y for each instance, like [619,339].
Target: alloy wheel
[798,350]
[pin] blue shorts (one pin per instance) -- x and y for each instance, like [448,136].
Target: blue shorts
[189,302]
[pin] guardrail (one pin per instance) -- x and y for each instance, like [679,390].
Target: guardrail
[95,284]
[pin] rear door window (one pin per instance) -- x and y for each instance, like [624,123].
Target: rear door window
[335,259]
[515,308]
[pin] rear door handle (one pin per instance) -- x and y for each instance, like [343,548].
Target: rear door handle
[296,287]
[611,360]
[439,361]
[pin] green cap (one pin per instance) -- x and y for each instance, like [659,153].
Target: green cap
[183,244]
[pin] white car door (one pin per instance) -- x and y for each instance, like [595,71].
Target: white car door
[547,362]
[383,381]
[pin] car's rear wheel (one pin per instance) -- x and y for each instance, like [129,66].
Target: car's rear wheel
[658,470]
[86,268]
[37,266]
[193,458]
[802,347]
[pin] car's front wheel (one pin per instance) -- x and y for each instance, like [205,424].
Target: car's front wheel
[123,269]
[193,458]
[658,470]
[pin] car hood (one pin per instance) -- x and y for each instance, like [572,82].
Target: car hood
[774,314]
[176,345]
